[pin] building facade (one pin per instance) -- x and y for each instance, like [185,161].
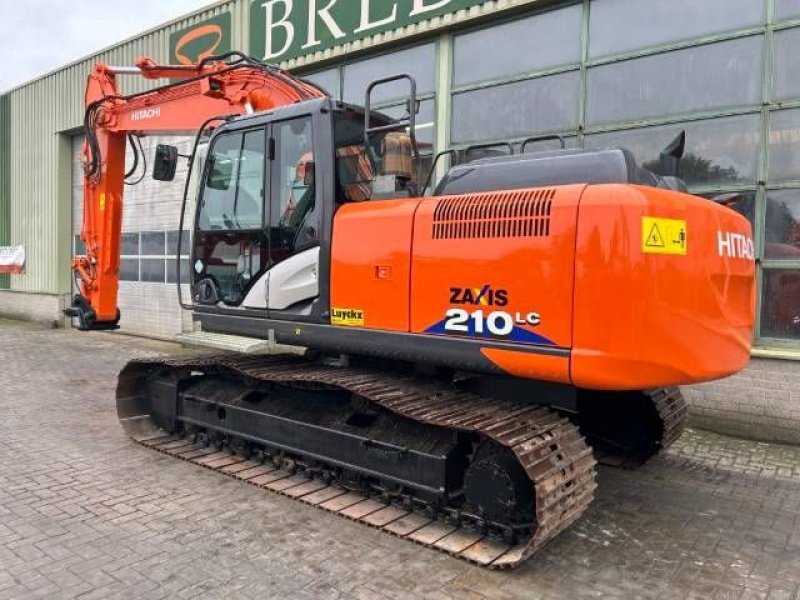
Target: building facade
[631,73]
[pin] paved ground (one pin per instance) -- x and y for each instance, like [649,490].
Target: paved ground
[85,513]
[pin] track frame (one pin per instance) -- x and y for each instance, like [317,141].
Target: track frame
[550,449]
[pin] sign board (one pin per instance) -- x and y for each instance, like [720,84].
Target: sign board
[12,260]
[285,29]
[192,44]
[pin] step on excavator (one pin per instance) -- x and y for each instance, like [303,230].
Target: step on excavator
[471,351]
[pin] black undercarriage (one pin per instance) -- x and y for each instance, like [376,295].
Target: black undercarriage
[444,445]
[341,438]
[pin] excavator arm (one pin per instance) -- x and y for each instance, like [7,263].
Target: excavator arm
[222,86]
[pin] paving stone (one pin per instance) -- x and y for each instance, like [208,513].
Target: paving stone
[86,513]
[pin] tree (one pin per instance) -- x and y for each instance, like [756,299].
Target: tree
[696,170]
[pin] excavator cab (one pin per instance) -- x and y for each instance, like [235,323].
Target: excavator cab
[269,191]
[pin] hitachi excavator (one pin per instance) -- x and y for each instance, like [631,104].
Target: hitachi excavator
[470,353]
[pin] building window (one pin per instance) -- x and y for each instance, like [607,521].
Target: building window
[153,242]
[419,62]
[719,152]
[149,257]
[782,227]
[349,82]
[129,269]
[424,121]
[172,272]
[652,68]
[786,67]
[787,9]
[701,78]
[780,304]
[328,80]
[619,26]
[784,145]
[745,204]
[130,244]
[518,109]
[153,270]
[505,50]
[172,243]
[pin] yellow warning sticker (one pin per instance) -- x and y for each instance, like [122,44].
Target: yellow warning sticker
[103,200]
[663,236]
[349,317]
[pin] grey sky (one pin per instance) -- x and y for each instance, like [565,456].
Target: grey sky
[41,35]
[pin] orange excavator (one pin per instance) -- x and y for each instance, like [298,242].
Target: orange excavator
[470,353]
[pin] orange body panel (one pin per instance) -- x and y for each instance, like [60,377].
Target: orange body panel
[371,263]
[530,366]
[463,248]
[647,319]
[561,279]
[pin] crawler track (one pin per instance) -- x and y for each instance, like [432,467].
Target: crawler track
[672,410]
[550,449]
[626,429]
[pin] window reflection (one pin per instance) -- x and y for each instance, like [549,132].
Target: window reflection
[517,109]
[618,26]
[328,80]
[172,242]
[782,228]
[718,151]
[744,203]
[780,304]
[153,242]
[129,269]
[784,145]
[500,51]
[425,122]
[129,244]
[152,270]
[172,270]
[234,193]
[785,9]
[725,74]
[786,67]
[419,62]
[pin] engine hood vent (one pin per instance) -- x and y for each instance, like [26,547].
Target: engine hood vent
[523,213]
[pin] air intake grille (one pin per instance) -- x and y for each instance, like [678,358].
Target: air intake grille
[495,215]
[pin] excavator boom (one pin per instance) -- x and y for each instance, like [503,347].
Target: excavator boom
[219,87]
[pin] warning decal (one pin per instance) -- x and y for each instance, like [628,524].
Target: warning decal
[663,236]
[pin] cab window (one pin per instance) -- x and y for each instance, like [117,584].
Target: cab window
[233,196]
[293,225]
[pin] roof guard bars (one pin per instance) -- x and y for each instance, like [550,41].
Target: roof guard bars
[470,149]
[543,138]
[453,157]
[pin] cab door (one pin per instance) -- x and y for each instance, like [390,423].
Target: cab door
[231,246]
[294,219]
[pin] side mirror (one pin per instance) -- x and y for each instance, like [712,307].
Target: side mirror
[165,162]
